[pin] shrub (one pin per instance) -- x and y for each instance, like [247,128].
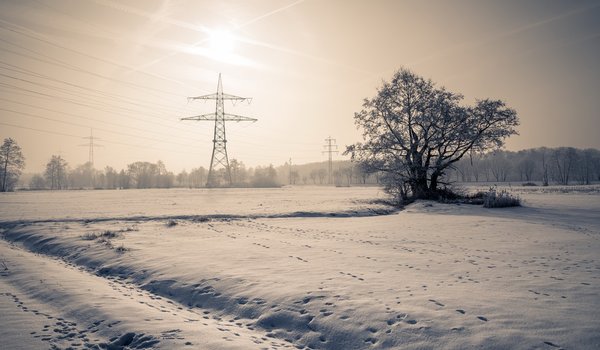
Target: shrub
[89,236]
[106,242]
[109,234]
[121,249]
[500,199]
[171,223]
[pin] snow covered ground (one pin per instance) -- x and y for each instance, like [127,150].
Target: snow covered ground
[307,268]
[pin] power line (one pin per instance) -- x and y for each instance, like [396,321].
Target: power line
[87,126]
[72,67]
[37,36]
[31,73]
[99,108]
[84,95]
[79,137]
[86,118]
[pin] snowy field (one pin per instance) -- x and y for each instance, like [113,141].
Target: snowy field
[298,268]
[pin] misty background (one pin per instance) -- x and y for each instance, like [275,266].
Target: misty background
[126,69]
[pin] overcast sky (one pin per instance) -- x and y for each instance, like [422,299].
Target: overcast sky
[125,69]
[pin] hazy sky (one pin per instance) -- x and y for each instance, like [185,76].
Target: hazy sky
[125,69]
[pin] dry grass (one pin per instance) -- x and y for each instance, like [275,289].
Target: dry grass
[500,199]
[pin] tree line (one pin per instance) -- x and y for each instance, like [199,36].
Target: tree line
[344,173]
[58,175]
[544,166]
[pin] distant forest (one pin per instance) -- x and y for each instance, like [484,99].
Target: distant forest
[541,166]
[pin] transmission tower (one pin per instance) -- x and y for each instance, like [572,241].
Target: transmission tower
[219,153]
[91,146]
[331,148]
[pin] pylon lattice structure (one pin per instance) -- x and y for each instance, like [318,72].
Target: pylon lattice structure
[219,153]
[331,148]
[91,146]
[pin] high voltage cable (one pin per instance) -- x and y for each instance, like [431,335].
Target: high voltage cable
[100,107]
[84,105]
[107,141]
[88,126]
[114,96]
[38,36]
[82,70]
[79,70]
[162,119]
[88,118]
[82,117]
[88,96]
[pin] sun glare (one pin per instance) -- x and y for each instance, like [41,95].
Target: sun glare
[221,46]
[221,43]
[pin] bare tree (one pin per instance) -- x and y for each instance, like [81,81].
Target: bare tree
[416,131]
[545,166]
[56,173]
[143,174]
[564,160]
[124,179]
[322,174]
[198,177]
[12,163]
[314,175]
[37,182]
[294,177]
[526,167]
[348,173]
[499,166]
[583,170]
[265,177]
[183,179]
[111,178]
[82,176]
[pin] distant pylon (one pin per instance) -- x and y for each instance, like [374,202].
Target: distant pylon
[91,146]
[219,153]
[331,148]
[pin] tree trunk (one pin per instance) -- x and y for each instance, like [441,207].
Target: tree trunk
[419,187]
[433,183]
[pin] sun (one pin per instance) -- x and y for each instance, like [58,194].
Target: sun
[221,43]
[221,46]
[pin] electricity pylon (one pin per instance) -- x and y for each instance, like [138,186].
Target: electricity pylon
[331,148]
[91,146]
[219,153]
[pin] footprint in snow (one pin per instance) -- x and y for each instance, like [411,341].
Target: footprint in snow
[436,302]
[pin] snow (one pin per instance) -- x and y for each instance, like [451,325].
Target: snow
[298,268]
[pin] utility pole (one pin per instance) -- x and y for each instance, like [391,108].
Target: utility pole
[331,148]
[219,153]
